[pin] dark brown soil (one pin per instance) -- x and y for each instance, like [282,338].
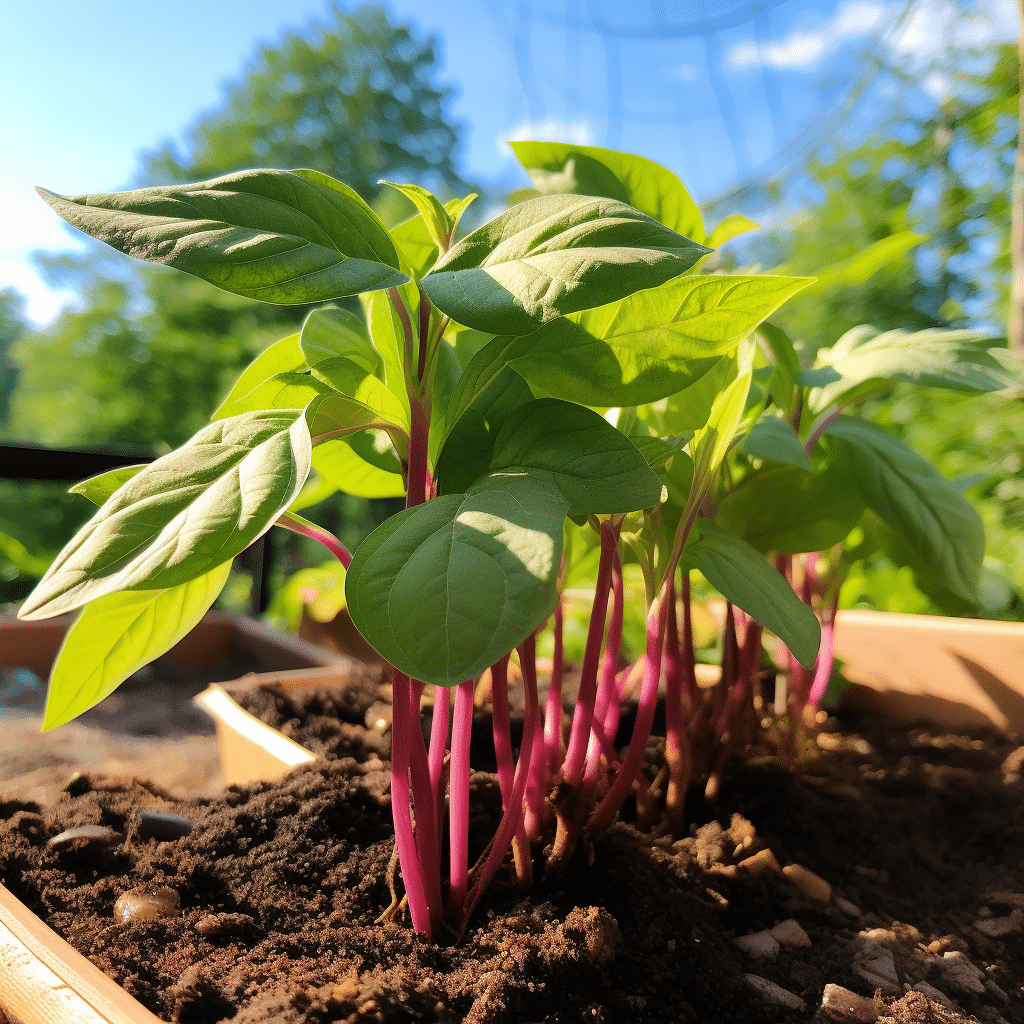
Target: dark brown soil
[919,834]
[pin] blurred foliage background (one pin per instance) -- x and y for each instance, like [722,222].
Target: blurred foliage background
[146,354]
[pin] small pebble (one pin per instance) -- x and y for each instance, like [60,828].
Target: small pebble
[789,933]
[935,995]
[847,1007]
[961,974]
[1000,927]
[85,835]
[760,863]
[1005,899]
[161,825]
[210,925]
[875,964]
[145,903]
[848,908]
[772,993]
[760,945]
[813,886]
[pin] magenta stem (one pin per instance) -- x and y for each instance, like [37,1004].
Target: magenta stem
[553,711]
[675,717]
[303,527]
[401,806]
[610,806]
[502,728]
[823,665]
[462,728]
[606,689]
[583,717]
[512,819]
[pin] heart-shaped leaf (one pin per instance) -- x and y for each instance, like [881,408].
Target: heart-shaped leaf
[552,256]
[444,589]
[119,633]
[184,514]
[596,467]
[743,576]
[278,236]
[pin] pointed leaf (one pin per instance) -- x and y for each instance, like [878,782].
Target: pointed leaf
[331,331]
[282,391]
[596,467]
[774,439]
[650,345]
[743,576]
[98,488]
[284,356]
[363,464]
[592,171]
[552,256]
[444,589]
[940,525]
[434,215]
[117,634]
[184,514]
[278,236]
[353,382]
[733,225]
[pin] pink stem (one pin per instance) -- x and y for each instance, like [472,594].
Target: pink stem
[823,666]
[401,808]
[502,727]
[462,728]
[688,651]
[288,521]
[553,711]
[610,806]
[512,819]
[606,690]
[428,842]
[675,723]
[583,717]
[439,723]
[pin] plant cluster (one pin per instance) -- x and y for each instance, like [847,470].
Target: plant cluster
[559,394]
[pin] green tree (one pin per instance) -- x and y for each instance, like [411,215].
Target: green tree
[12,329]
[353,97]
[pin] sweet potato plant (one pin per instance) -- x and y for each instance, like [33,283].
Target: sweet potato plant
[560,387]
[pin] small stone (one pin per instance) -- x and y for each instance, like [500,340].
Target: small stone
[1000,927]
[875,964]
[813,886]
[996,992]
[935,995]
[848,908]
[772,993]
[760,945]
[85,836]
[961,974]
[211,925]
[761,863]
[847,1007]
[145,903]
[789,933]
[881,936]
[162,825]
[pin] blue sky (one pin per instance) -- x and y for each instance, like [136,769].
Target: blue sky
[84,88]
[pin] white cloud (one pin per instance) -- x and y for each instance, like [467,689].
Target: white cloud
[42,303]
[805,49]
[934,26]
[577,132]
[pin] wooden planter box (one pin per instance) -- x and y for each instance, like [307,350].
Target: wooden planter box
[952,671]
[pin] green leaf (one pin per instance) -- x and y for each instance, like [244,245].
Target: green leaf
[356,384]
[283,391]
[595,467]
[774,439]
[864,358]
[284,356]
[592,171]
[712,441]
[650,345]
[331,331]
[861,267]
[279,236]
[938,523]
[733,225]
[362,464]
[481,373]
[466,455]
[417,246]
[743,576]
[782,508]
[434,215]
[183,515]
[444,589]
[119,633]
[552,256]
[385,328]
[98,488]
